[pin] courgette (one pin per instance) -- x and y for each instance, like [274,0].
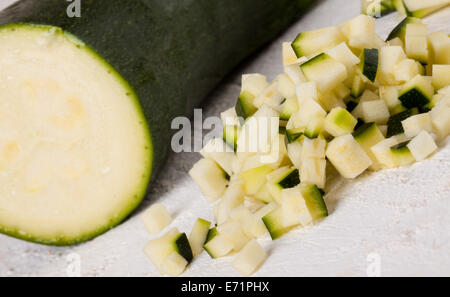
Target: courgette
[133,67]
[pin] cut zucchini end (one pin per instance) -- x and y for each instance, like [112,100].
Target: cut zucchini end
[32,79]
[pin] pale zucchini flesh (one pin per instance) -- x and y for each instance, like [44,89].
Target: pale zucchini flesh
[79,153]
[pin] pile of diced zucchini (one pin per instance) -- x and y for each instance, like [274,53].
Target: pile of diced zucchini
[347,99]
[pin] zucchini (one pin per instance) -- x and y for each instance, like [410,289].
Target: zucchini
[395,122]
[439,43]
[250,258]
[400,30]
[369,63]
[340,122]
[422,146]
[417,93]
[283,178]
[402,155]
[160,79]
[347,156]
[369,135]
[314,42]
[198,236]
[416,124]
[159,250]
[325,71]
[274,222]
[289,107]
[441,76]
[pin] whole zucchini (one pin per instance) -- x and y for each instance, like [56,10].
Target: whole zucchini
[85,165]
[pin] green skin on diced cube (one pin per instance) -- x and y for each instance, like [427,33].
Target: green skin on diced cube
[414,98]
[230,135]
[395,126]
[293,135]
[211,234]
[274,224]
[369,63]
[365,132]
[183,247]
[344,120]
[244,106]
[400,30]
[291,180]
[315,202]
[402,154]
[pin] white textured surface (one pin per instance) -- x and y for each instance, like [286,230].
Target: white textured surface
[402,214]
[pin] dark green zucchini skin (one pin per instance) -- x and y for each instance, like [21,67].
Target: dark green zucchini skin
[172,52]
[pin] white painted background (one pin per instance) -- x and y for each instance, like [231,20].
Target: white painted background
[400,217]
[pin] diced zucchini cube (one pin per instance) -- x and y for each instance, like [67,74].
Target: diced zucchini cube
[289,56]
[282,179]
[286,87]
[313,172]
[325,71]
[368,95]
[291,198]
[375,111]
[219,246]
[158,250]
[270,97]
[314,127]
[330,100]
[441,76]
[314,148]
[232,198]
[344,54]
[395,126]
[210,178]
[360,32]
[259,131]
[390,56]
[348,156]
[174,265]
[230,136]
[156,218]
[289,108]
[216,149]
[295,153]
[441,120]
[367,136]
[198,236]
[313,42]
[383,153]
[295,73]
[390,96]
[440,47]
[422,146]
[274,222]
[416,124]
[340,122]
[255,84]
[255,178]
[307,91]
[406,70]
[417,92]
[402,155]
[258,227]
[250,259]
[229,117]
[416,43]
[234,233]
